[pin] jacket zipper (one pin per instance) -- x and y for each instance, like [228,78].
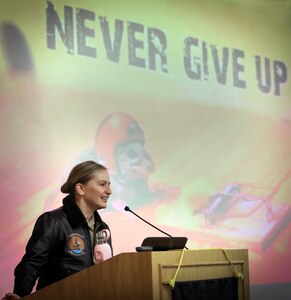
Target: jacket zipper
[96,226]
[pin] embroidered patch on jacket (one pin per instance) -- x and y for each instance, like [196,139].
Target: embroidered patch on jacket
[76,244]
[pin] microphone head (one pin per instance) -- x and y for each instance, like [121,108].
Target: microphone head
[126,208]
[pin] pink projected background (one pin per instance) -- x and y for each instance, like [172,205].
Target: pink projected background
[194,126]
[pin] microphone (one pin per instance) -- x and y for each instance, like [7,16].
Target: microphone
[126,208]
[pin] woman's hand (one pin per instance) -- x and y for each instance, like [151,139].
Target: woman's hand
[10,296]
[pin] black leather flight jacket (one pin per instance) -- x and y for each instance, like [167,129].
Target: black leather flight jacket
[60,246]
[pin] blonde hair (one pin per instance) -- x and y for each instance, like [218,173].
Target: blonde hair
[81,173]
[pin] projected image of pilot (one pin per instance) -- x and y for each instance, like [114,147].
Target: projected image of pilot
[120,143]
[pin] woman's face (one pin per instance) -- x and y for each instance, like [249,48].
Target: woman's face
[97,190]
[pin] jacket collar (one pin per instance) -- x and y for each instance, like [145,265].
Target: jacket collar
[75,215]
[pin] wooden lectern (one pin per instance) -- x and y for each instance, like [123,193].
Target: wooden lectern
[145,275]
